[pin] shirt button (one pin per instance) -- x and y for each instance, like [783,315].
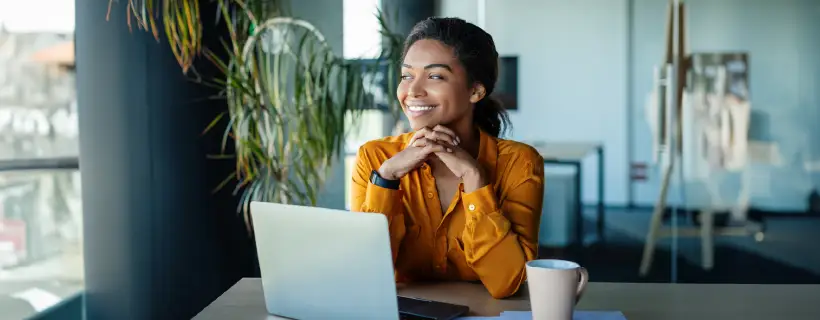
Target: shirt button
[471,207]
[430,195]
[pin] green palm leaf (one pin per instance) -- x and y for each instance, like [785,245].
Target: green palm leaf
[287,94]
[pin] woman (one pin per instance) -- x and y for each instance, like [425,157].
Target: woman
[462,204]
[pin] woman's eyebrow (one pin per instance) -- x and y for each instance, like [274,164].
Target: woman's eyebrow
[431,66]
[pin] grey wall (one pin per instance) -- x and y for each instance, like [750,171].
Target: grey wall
[158,244]
[572,75]
[326,15]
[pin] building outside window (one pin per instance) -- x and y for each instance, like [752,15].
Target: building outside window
[41,260]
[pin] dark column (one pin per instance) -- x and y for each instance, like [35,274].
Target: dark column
[158,244]
[409,12]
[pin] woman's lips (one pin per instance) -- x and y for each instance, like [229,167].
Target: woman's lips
[420,110]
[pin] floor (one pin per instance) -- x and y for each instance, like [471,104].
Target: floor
[788,254]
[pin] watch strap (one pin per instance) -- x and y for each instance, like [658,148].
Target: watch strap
[376,179]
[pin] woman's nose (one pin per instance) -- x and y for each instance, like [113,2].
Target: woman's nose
[416,89]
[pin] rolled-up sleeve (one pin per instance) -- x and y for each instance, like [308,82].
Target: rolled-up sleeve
[367,197]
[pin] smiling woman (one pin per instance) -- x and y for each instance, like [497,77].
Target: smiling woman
[462,203]
[452,63]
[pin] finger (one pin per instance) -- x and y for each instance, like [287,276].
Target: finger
[418,143]
[440,128]
[435,148]
[442,136]
[413,139]
[418,134]
[423,142]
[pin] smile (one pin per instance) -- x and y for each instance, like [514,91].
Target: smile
[419,110]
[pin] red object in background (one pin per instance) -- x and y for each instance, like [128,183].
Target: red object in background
[13,231]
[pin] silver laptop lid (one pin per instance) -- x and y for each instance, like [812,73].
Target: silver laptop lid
[319,263]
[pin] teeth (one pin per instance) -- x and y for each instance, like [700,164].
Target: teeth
[420,108]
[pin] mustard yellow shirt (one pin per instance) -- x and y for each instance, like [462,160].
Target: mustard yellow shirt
[485,235]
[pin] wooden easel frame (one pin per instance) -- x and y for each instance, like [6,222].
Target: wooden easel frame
[670,133]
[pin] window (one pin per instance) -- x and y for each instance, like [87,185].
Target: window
[41,260]
[362,38]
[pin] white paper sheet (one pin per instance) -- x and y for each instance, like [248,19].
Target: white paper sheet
[577,315]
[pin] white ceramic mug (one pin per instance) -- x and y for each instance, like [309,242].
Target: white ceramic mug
[555,287]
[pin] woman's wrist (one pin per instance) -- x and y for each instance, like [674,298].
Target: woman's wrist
[473,180]
[386,172]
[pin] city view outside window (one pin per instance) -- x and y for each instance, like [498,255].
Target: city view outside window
[40,205]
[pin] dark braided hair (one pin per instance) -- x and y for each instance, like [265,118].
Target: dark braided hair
[475,49]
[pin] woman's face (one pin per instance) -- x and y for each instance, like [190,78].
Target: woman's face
[433,88]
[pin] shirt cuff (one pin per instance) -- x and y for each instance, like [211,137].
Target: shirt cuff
[480,201]
[382,200]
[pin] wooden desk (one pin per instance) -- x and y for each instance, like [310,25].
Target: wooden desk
[638,301]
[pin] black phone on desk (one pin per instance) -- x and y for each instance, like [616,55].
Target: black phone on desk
[420,309]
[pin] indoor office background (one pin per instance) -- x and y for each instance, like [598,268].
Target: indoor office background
[106,209]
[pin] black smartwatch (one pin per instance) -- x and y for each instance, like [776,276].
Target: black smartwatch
[376,179]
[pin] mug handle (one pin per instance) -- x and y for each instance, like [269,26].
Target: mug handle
[582,283]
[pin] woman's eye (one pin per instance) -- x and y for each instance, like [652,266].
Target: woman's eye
[436,77]
[405,77]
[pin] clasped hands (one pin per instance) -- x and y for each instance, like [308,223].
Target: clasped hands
[440,142]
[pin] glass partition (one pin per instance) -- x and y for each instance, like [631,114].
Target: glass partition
[723,93]
[745,188]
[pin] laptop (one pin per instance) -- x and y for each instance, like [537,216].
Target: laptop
[319,263]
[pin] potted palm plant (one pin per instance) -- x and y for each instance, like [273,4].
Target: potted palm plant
[287,93]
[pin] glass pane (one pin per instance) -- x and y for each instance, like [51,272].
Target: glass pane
[751,143]
[362,37]
[38,109]
[647,224]
[41,240]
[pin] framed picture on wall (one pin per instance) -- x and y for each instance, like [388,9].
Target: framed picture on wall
[506,88]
